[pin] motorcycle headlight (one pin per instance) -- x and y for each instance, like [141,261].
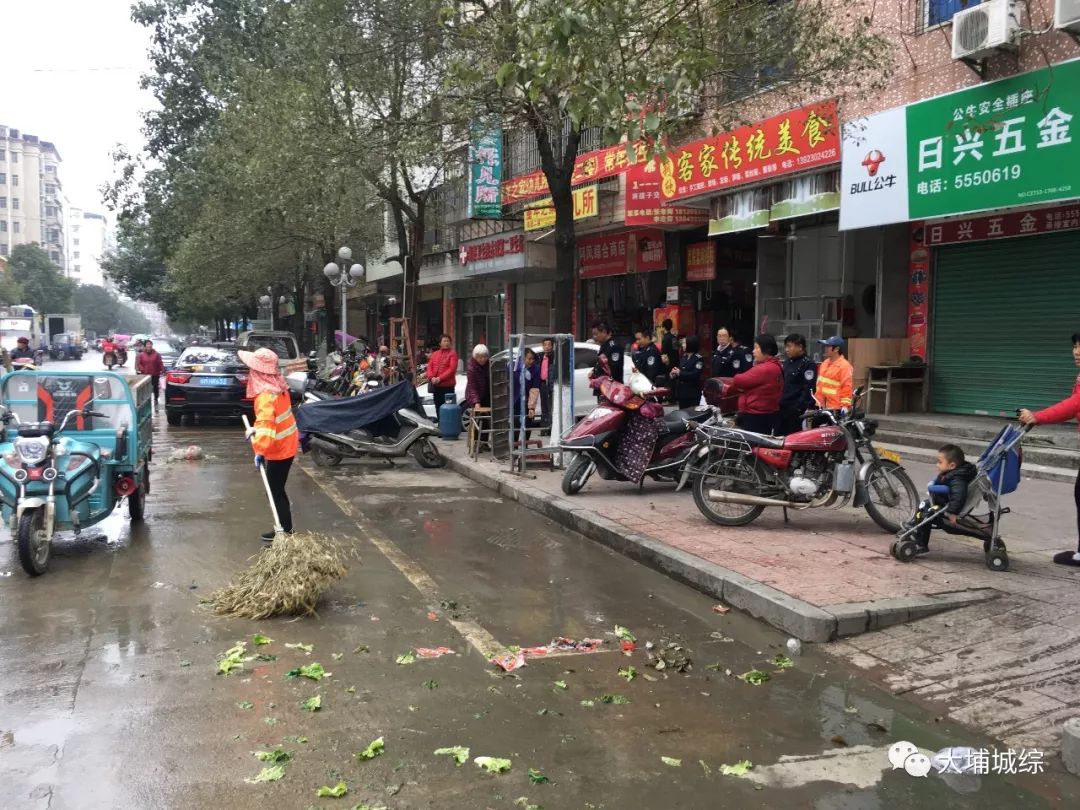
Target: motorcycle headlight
[32,451]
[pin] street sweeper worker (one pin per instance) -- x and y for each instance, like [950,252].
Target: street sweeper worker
[274,437]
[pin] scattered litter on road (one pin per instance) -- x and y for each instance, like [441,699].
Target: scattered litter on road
[271,774]
[277,755]
[260,640]
[245,704]
[618,700]
[781,661]
[629,674]
[304,648]
[588,704]
[431,684]
[432,616]
[405,658]
[836,739]
[721,637]
[794,647]
[434,652]
[460,753]
[234,659]
[560,684]
[755,677]
[190,453]
[721,609]
[704,767]
[337,656]
[395,789]
[536,777]
[672,761]
[670,655]
[314,671]
[185,663]
[740,768]
[623,634]
[312,704]
[362,648]
[493,764]
[510,661]
[335,792]
[374,749]
[158,585]
[524,803]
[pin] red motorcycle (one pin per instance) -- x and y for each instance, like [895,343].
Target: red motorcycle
[612,439]
[737,474]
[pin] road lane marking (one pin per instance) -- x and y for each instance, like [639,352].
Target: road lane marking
[477,636]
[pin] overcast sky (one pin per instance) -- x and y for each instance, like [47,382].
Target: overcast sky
[71,76]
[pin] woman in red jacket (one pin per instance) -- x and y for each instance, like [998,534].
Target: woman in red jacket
[442,373]
[1062,412]
[760,388]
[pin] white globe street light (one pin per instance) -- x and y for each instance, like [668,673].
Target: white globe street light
[335,275]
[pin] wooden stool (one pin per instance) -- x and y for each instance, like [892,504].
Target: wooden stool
[479,430]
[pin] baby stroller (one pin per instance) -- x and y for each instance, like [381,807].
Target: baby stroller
[998,474]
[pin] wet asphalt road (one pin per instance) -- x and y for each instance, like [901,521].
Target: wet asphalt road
[109,696]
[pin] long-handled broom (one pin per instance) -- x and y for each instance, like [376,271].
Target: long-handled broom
[289,577]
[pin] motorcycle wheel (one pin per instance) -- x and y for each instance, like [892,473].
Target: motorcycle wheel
[427,455]
[577,475]
[735,474]
[324,458]
[34,547]
[891,495]
[137,501]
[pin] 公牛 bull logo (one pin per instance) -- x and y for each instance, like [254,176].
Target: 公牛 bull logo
[874,158]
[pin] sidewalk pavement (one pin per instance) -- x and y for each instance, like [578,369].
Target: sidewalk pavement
[1005,657]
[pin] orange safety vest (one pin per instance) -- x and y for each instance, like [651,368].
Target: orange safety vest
[276,437]
[834,384]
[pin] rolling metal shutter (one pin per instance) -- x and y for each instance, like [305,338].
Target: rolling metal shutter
[1003,313]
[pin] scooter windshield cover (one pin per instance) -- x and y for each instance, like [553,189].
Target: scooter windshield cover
[339,415]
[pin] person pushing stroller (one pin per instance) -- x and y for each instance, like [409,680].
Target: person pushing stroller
[948,496]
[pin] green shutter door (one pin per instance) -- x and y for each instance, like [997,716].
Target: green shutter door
[1003,313]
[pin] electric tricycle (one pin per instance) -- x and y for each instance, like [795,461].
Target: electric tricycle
[75,445]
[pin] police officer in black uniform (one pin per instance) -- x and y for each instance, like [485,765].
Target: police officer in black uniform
[610,350]
[645,356]
[688,375]
[800,380]
[729,358]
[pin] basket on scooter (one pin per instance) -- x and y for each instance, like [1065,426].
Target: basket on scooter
[998,474]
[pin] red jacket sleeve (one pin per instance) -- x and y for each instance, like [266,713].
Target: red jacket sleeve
[451,371]
[1062,412]
[749,379]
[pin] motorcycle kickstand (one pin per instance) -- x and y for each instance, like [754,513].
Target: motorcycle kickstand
[786,518]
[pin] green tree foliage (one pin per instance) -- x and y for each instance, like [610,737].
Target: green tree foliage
[43,286]
[103,313]
[643,68]
[10,291]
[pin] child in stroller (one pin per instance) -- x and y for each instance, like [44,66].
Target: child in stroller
[948,496]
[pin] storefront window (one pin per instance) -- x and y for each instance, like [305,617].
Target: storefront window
[480,320]
[626,302]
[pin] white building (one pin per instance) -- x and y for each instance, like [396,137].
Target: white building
[31,195]
[87,243]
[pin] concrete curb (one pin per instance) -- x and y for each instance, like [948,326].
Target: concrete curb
[800,619]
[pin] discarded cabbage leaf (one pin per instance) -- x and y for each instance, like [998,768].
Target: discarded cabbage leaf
[259,639]
[674,763]
[618,700]
[265,657]
[335,792]
[782,661]
[493,764]
[560,684]
[305,648]
[233,659]
[755,677]
[277,755]
[271,774]
[406,658]
[623,634]
[313,671]
[245,704]
[431,684]
[738,769]
[524,803]
[629,673]
[374,749]
[362,648]
[588,704]
[536,777]
[312,704]
[459,752]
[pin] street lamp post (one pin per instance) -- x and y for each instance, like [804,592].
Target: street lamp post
[337,277]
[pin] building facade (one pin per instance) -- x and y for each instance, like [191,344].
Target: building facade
[87,243]
[32,204]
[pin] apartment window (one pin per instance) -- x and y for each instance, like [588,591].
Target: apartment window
[939,12]
[3,202]
[76,255]
[50,188]
[54,237]
[50,210]
[15,203]
[3,249]
[14,180]
[50,169]
[78,268]
[3,226]
[76,241]
[55,256]
[15,227]
[14,157]
[3,178]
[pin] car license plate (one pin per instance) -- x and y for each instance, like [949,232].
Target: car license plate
[890,455]
[215,381]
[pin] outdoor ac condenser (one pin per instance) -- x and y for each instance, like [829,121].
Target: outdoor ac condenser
[1067,15]
[979,31]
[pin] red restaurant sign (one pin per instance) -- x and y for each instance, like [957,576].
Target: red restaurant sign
[643,206]
[1004,226]
[618,253]
[701,261]
[588,168]
[791,142]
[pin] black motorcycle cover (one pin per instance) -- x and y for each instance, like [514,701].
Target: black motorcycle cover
[349,413]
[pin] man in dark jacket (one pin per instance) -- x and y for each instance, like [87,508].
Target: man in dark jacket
[957,474]
[729,358]
[646,357]
[800,380]
[610,351]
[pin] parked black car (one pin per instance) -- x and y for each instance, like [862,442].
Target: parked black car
[206,381]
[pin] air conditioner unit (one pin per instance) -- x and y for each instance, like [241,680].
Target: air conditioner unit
[980,31]
[1067,15]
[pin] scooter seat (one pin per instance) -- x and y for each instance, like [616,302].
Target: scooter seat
[675,422]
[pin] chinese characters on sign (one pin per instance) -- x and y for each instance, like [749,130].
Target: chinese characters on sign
[599,164]
[701,261]
[918,291]
[541,214]
[791,142]
[485,173]
[1004,226]
[639,251]
[492,249]
[643,205]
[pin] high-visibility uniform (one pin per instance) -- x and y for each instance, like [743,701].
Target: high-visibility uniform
[834,384]
[276,437]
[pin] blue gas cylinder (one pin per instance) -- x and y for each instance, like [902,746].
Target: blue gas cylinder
[450,419]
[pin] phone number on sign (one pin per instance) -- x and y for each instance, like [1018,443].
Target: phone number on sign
[987,177]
